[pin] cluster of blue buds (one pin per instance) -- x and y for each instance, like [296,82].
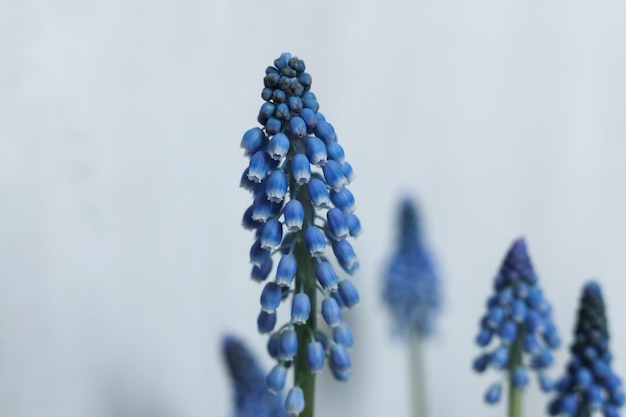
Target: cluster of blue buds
[519,320]
[589,383]
[297,175]
[411,285]
[252,399]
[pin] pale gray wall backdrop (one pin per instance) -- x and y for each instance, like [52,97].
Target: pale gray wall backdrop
[122,259]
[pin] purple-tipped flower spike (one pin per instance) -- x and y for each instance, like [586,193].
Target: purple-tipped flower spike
[589,383]
[411,283]
[297,174]
[251,397]
[517,318]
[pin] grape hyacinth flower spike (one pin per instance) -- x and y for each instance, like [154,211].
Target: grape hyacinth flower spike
[411,293]
[297,175]
[251,396]
[589,383]
[517,332]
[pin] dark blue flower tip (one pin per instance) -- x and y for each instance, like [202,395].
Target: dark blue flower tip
[319,194]
[271,235]
[279,96]
[288,344]
[276,378]
[314,240]
[507,331]
[297,89]
[316,151]
[258,255]
[282,61]
[500,357]
[301,169]
[278,146]
[546,383]
[345,255]
[271,79]
[594,287]
[271,296]
[481,363]
[344,200]
[340,363]
[334,175]
[484,336]
[331,312]
[261,273]
[294,403]
[252,141]
[286,270]
[343,335]
[348,292]
[493,394]
[300,308]
[326,276]
[354,225]
[267,110]
[266,321]
[294,215]
[258,167]
[295,104]
[325,131]
[276,187]
[346,168]
[337,224]
[306,80]
[520,377]
[267,93]
[335,152]
[273,125]
[309,118]
[310,101]
[273,344]
[283,112]
[297,64]
[298,128]
[315,356]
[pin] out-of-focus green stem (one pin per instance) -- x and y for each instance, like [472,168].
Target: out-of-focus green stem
[515,394]
[419,404]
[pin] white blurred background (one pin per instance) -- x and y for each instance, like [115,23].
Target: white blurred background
[122,259]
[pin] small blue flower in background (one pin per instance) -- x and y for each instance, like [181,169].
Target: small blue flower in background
[517,332]
[298,174]
[251,395]
[411,284]
[589,383]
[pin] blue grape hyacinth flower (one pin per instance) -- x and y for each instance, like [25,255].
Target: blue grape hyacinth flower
[297,174]
[589,383]
[251,395]
[411,284]
[517,332]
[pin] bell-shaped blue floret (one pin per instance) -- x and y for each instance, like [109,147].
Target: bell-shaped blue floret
[500,357]
[326,276]
[300,308]
[343,199]
[316,151]
[260,273]
[273,345]
[530,344]
[271,296]
[271,235]
[278,147]
[334,175]
[545,382]
[319,194]
[325,132]
[343,335]
[520,377]
[301,169]
[594,396]
[273,125]
[310,101]
[258,255]
[314,240]
[294,215]
[288,344]
[309,118]
[252,141]
[569,405]
[345,255]
[298,128]
[295,104]
[267,93]
[286,270]
[495,315]
[294,403]
[349,294]
[258,167]
[262,208]
[315,356]
[335,152]
[282,61]
[267,111]
[354,224]
[276,378]
[337,223]
[480,363]
[331,312]
[248,222]
[493,394]
[283,112]
[340,363]
[346,168]
[266,321]
[507,331]
[484,336]
[276,187]
[518,311]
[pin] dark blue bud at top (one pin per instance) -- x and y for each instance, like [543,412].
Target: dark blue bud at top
[278,147]
[316,151]
[301,169]
[252,141]
[314,240]
[305,80]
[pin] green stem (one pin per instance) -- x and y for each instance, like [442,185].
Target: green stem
[305,279]
[515,394]
[418,375]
